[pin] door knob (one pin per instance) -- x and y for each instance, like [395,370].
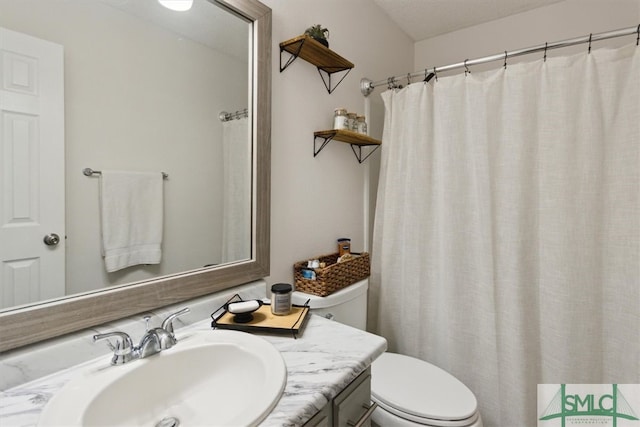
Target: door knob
[51,239]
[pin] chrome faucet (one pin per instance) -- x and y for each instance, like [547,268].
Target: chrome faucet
[153,341]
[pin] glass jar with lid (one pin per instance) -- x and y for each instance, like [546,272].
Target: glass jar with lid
[340,119]
[281,299]
[361,125]
[353,125]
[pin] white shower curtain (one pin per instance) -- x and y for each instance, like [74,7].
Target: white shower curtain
[506,241]
[236,224]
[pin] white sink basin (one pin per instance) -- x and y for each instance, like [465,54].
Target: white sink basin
[213,378]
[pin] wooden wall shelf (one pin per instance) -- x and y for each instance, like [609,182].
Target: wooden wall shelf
[356,140]
[326,60]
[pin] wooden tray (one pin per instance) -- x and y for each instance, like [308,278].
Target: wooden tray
[263,320]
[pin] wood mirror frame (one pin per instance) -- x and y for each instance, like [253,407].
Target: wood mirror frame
[27,325]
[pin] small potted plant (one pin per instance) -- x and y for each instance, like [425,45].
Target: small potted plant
[318,33]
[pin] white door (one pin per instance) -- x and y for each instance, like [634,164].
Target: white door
[31,169]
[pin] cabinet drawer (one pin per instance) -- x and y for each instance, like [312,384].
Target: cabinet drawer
[352,405]
[322,418]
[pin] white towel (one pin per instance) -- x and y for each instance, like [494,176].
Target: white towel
[131,206]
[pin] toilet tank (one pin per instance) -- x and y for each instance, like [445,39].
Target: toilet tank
[348,305]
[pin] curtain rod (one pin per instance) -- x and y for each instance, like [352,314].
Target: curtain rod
[367,86]
[225,117]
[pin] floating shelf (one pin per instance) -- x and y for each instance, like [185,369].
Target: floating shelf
[312,51]
[356,140]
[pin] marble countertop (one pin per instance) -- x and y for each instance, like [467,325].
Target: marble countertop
[320,363]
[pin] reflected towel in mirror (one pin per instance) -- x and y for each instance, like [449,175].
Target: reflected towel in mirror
[131,208]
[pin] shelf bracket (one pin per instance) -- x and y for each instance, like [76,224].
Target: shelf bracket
[327,80]
[325,141]
[357,150]
[293,56]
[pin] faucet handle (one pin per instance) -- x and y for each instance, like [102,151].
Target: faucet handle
[124,347]
[167,324]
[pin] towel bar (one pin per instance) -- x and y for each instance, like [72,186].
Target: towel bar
[89,172]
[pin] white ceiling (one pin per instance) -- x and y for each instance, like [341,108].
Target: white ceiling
[422,19]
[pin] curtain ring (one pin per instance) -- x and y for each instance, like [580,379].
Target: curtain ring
[590,35]
[391,84]
[427,76]
[435,73]
[408,79]
[545,51]
[505,59]
[638,38]
[466,69]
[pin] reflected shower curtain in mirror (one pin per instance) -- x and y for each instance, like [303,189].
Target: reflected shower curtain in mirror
[506,240]
[236,222]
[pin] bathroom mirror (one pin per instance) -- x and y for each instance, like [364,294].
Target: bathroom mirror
[133,86]
[27,324]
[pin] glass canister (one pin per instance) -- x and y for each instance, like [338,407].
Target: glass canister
[352,124]
[340,119]
[281,298]
[361,125]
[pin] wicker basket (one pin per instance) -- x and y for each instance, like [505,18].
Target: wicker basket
[334,276]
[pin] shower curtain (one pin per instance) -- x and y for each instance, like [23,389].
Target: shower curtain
[506,239]
[236,216]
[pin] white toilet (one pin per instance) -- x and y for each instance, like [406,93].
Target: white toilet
[409,392]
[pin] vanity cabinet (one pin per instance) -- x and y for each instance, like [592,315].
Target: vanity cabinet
[322,418]
[351,407]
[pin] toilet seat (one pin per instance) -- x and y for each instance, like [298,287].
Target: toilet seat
[385,417]
[419,392]
[382,418]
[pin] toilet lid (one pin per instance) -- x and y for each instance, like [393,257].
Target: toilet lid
[418,388]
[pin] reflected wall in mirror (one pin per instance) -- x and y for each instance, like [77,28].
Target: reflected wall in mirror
[141,88]
[155,107]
